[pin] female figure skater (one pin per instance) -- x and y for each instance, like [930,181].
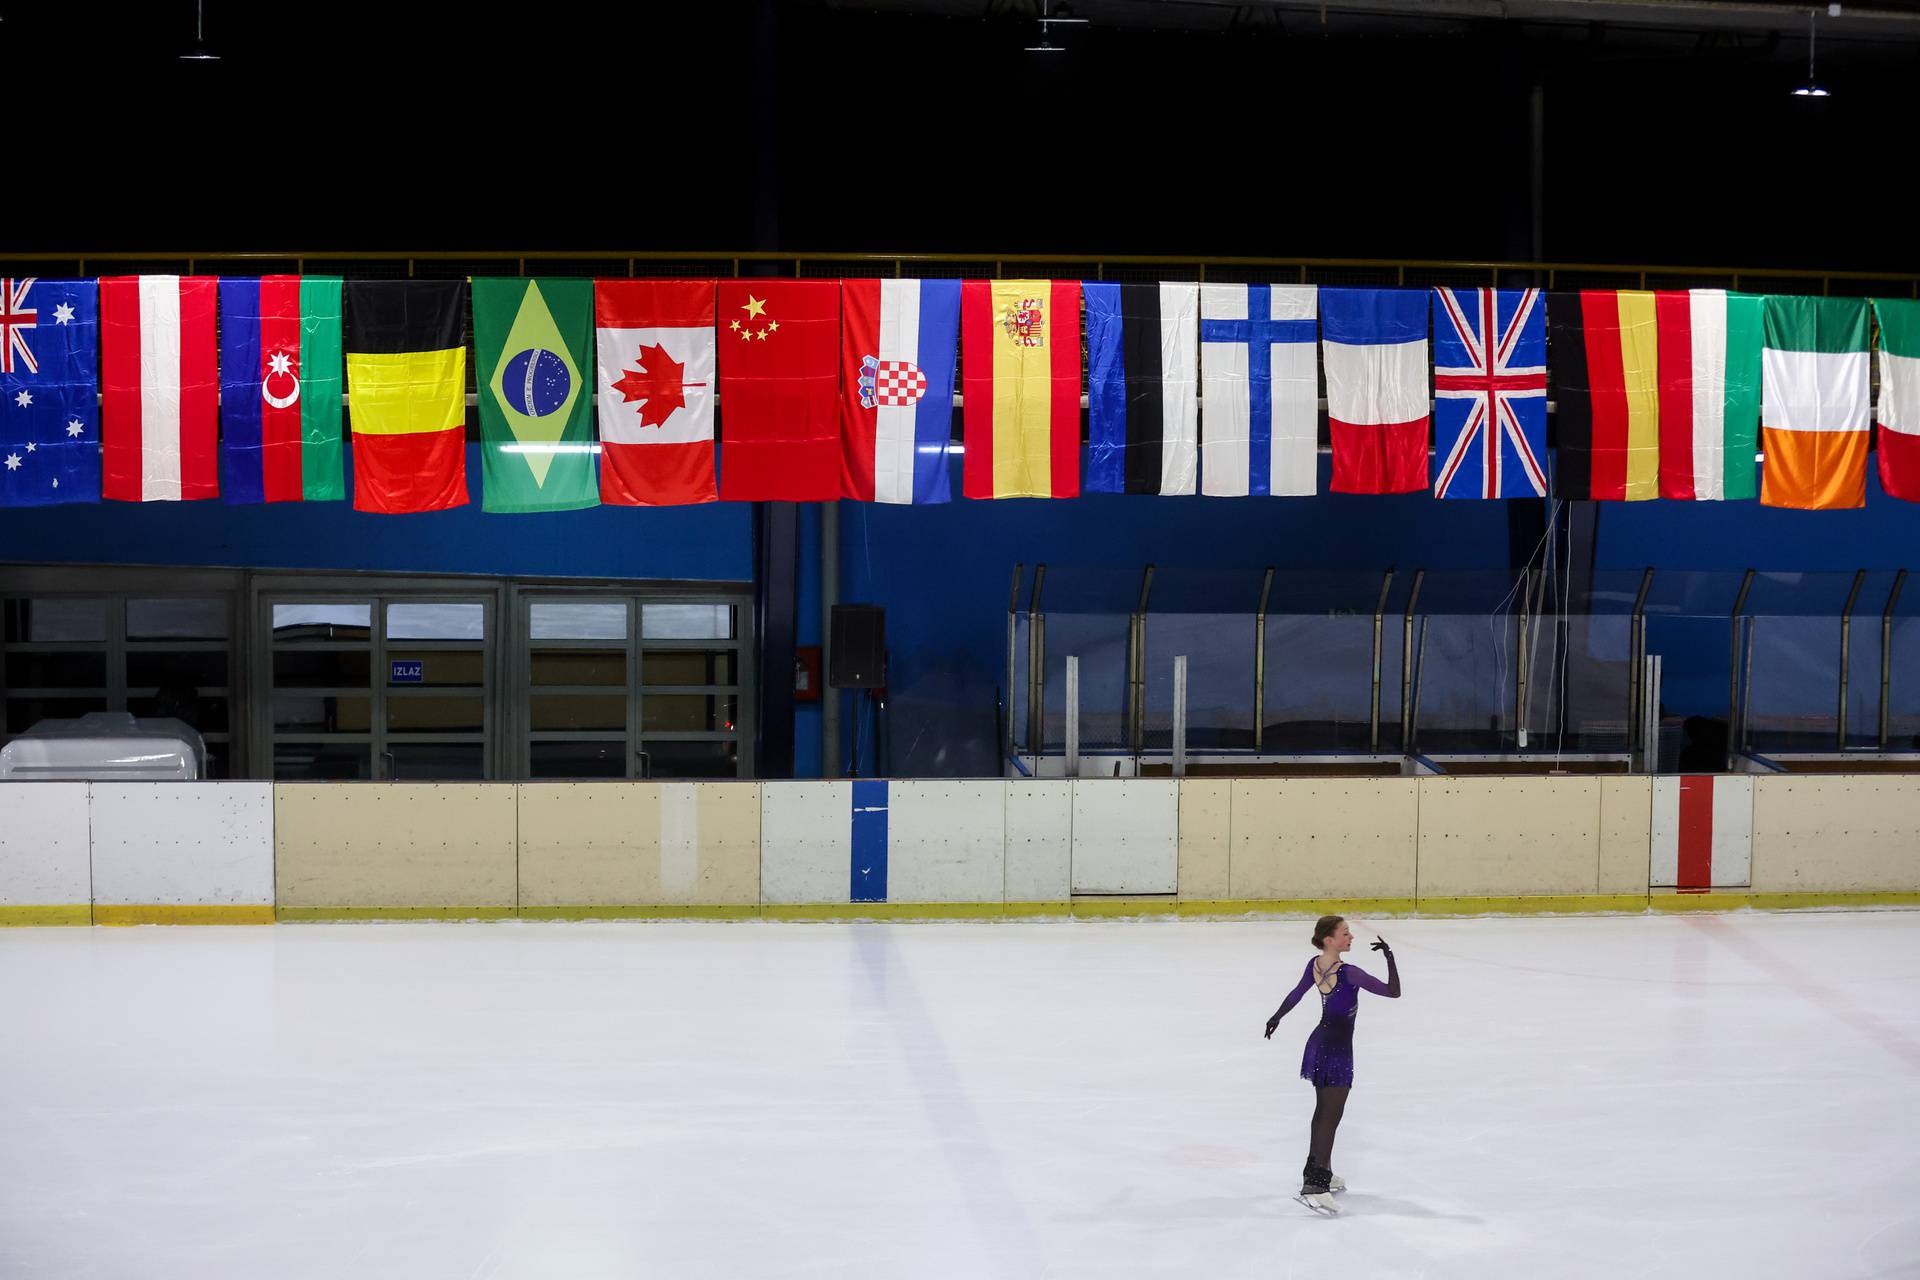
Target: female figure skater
[1328,1063]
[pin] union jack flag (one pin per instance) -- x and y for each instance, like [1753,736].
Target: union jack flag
[16,317]
[1490,393]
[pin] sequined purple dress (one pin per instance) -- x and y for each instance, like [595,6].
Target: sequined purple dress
[1329,1056]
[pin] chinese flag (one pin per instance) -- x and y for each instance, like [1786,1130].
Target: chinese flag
[779,390]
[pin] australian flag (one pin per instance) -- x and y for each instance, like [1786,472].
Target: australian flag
[49,392]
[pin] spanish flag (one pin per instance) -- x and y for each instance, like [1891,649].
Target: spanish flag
[1021,345]
[407,394]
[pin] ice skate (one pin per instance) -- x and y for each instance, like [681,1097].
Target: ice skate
[1321,1202]
[1336,1183]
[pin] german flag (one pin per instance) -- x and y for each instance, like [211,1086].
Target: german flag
[1604,362]
[407,394]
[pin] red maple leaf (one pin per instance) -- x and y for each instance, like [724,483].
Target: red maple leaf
[658,384]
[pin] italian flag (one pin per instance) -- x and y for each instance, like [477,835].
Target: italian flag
[160,388]
[1709,392]
[1814,402]
[1899,397]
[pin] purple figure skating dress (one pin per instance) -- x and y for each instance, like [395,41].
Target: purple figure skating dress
[1329,1056]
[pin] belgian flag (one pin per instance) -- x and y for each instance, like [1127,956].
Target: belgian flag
[407,394]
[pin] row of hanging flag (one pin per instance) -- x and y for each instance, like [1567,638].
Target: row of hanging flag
[144,388]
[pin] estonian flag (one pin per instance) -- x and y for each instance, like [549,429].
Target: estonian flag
[1143,382]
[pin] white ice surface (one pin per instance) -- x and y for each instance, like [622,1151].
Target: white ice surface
[1633,1096]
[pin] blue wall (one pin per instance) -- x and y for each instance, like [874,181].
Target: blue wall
[712,542]
[942,573]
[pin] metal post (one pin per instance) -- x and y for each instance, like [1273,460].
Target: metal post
[1260,662]
[1406,663]
[1137,671]
[1886,650]
[1013,609]
[1373,706]
[1036,666]
[1180,716]
[829,596]
[1073,716]
[1636,650]
[1846,654]
[1733,664]
[1650,754]
[1746,688]
[1413,713]
[1520,661]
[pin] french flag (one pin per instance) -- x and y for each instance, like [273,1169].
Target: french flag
[898,339]
[1374,342]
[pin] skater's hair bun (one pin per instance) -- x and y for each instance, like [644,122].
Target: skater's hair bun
[1324,929]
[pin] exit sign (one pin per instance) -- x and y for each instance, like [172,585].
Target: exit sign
[407,672]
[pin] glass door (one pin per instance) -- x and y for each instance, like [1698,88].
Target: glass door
[576,698]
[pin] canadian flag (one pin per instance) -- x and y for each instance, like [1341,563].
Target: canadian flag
[160,382]
[655,351]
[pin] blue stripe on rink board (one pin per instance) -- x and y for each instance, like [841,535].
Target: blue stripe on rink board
[868,872]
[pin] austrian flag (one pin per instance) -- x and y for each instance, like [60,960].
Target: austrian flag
[162,393]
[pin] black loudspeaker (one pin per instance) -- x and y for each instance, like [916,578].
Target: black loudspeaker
[857,653]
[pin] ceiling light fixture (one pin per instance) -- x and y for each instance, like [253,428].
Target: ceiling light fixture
[199,52]
[1812,89]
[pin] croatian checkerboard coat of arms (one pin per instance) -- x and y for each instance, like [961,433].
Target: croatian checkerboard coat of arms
[890,382]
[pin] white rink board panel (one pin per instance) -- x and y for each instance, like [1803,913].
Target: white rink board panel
[182,843]
[946,841]
[806,842]
[43,844]
[1836,834]
[1126,835]
[1039,848]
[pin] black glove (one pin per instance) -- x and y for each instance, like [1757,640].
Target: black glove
[1272,1022]
[1380,944]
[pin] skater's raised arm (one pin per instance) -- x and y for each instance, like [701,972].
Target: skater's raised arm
[1293,998]
[1367,982]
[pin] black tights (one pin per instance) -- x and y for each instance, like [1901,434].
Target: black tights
[1329,1104]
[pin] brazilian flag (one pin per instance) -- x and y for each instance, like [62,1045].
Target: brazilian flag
[532,340]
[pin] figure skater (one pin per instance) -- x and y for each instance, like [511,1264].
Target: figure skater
[1328,1062]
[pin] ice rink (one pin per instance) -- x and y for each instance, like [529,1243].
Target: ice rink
[1730,1095]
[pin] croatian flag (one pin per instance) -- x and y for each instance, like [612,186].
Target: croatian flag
[897,345]
[1143,367]
[1375,346]
[162,391]
[1490,393]
[1261,385]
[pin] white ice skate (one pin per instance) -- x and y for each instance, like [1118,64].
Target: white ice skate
[1321,1202]
[1336,1183]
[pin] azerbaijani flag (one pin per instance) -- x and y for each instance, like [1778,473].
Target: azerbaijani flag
[1814,402]
[1899,396]
[407,380]
[280,375]
[161,401]
[1021,345]
[1709,392]
[1604,368]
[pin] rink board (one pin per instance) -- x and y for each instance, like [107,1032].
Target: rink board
[1508,837]
[1311,838]
[182,852]
[1038,855]
[946,841]
[1206,837]
[439,846]
[44,873]
[1126,837]
[1836,834]
[639,844]
[806,842]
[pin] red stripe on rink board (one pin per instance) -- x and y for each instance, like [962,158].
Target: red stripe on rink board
[1695,873]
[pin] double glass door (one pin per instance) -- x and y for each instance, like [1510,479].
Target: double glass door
[630,686]
[380,687]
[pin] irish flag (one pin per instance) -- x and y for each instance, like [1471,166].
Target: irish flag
[1899,397]
[161,401]
[1709,392]
[1813,408]
[1020,341]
